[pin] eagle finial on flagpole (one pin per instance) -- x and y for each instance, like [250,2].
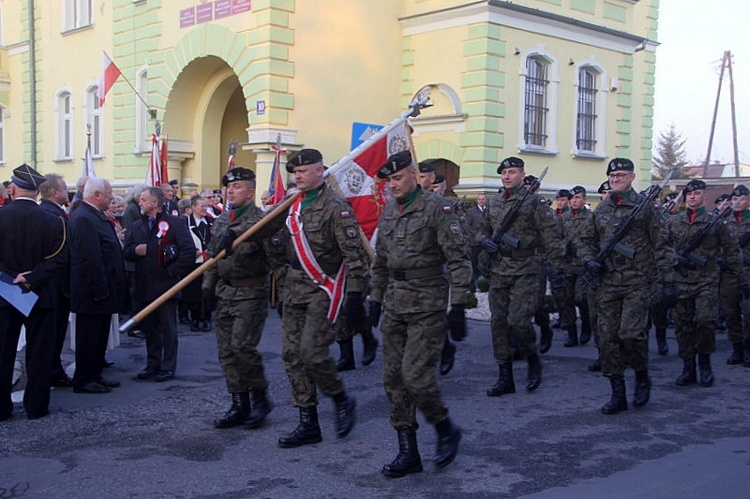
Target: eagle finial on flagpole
[157,126]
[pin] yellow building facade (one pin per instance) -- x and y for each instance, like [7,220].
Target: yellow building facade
[561,83]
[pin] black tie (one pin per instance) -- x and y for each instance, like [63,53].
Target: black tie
[150,223]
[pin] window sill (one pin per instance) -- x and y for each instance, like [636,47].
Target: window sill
[588,155]
[62,160]
[534,150]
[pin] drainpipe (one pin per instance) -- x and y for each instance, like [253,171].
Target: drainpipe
[32,77]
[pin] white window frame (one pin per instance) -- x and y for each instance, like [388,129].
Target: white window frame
[600,129]
[95,118]
[64,125]
[550,125]
[77,14]
[142,139]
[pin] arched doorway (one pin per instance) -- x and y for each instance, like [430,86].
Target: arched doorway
[205,111]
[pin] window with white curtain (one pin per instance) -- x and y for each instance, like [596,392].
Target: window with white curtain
[76,14]
[64,126]
[95,120]
[535,103]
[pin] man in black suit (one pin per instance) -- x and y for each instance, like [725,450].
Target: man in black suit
[54,195]
[31,253]
[163,252]
[170,201]
[98,284]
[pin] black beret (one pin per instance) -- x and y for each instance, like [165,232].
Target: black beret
[396,162]
[721,198]
[304,157]
[217,191]
[26,177]
[563,193]
[237,173]
[620,164]
[740,190]
[695,185]
[579,189]
[510,162]
[426,167]
[439,179]
[529,179]
[174,182]
[669,197]
[604,187]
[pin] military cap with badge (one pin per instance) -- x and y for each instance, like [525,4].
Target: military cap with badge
[604,187]
[304,157]
[740,190]
[510,162]
[426,167]
[579,189]
[27,178]
[396,162]
[236,174]
[697,185]
[620,164]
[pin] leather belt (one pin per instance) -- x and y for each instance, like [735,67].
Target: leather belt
[248,281]
[409,274]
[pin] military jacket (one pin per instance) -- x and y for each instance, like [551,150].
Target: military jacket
[653,255]
[412,246]
[717,243]
[535,227]
[248,262]
[738,224]
[333,234]
[571,223]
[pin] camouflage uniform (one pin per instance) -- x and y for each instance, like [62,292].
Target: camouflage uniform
[697,308]
[241,285]
[332,233]
[577,292]
[409,278]
[624,294]
[733,305]
[515,272]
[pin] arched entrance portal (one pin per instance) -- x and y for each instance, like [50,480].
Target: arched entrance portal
[205,111]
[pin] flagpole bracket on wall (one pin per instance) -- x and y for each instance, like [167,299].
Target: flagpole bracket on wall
[152,114]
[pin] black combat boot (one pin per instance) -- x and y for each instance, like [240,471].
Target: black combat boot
[704,365]
[688,376]
[596,366]
[345,413]
[572,336]
[237,413]
[545,334]
[369,346]
[346,361]
[449,436]
[534,376]
[585,324]
[746,358]
[447,357]
[505,383]
[307,431]
[737,354]
[618,402]
[407,460]
[661,342]
[642,388]
[260,408]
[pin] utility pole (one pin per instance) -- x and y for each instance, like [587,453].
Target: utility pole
[726,64]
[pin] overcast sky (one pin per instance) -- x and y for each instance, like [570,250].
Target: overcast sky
[694,35]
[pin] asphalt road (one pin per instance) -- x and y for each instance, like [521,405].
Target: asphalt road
[152,440]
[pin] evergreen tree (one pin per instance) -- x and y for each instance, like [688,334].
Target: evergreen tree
[670,153]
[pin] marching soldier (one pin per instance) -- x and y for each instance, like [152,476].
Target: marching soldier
[515,270]
[562,202]
[576,290]
[419,236]
[699,238]
[624,291]
[240,282]
[734,293]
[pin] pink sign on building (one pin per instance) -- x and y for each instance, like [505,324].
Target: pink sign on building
[187,17]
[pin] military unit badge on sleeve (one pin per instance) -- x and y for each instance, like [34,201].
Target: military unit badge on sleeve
[345,214]
[447,209]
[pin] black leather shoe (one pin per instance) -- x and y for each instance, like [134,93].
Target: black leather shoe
[91,387]
[63,381]
[194,327]
[206,327]
[447,445]
[147,373]
[164,376]
[447,358]
[106,382]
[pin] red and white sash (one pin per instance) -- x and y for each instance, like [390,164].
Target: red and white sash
[334,288]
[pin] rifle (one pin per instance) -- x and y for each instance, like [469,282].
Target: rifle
[668,207]
[501,233]
[686,252]
[614,244]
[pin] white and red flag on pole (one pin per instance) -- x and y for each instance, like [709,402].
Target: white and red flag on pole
[276,187]
[232,151]
[154,176]
[110,74]
[163,162]
[88,159]
[359,182]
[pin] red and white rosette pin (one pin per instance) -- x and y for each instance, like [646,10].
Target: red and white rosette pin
[163,229]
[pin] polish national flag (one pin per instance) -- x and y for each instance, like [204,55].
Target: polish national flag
[109,76]
[359,182]
[154,176]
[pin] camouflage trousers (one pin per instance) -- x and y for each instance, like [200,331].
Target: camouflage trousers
[622,317]
[411,350]
[576,295]
[734,308]
[306,336]
[512,305]
[239,325]
[695,319]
